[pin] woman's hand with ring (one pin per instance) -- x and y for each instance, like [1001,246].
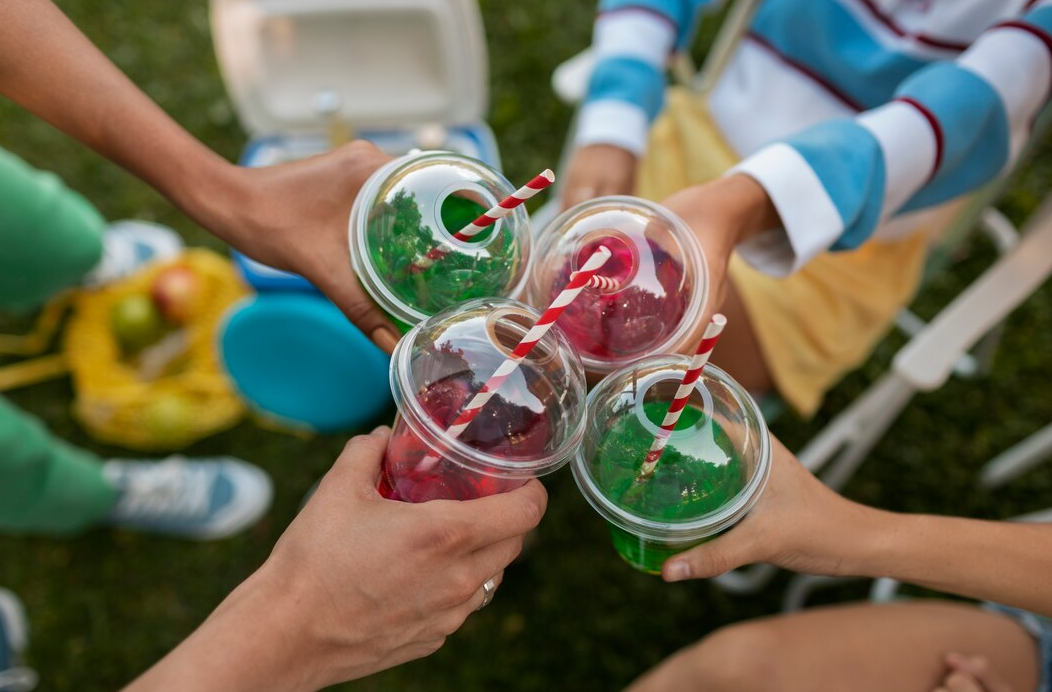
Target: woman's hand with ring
[356,584]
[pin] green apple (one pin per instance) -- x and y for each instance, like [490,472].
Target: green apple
[168,417]
[136,322]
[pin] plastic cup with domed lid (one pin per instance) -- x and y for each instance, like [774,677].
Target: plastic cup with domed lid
[530,427]
[713,468]
[660,267]
[412,207]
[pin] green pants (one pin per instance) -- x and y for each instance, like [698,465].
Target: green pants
[49,238]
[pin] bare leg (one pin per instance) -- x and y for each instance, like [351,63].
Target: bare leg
[739,352]
[861,647]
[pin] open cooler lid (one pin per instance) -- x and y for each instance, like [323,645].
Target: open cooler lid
[381,63]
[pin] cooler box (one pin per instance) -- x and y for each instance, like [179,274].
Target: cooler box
[303,74]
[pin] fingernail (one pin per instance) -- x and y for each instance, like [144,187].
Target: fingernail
[380,430]
[384,338]
[956,659]
[677,571]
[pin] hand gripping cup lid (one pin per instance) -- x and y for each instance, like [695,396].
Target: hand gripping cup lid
[531,426]
[713,468]
[658,263]
[411,208]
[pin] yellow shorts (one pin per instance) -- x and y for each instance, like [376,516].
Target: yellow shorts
[823,321]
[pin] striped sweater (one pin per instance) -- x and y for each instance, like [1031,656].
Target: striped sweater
[854,115]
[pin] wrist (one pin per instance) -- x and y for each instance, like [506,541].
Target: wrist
[871,539]
[726,212]
[265,639]
[750,209]
[212,189]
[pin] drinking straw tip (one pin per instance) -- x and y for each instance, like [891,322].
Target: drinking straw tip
[548,175]
[719,319]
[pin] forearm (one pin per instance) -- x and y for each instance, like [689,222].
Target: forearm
[726,212]
[54,71]
[247,645]
[1000,561]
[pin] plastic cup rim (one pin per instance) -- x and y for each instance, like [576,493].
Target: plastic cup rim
[367,275]
[457,451]
[678,339]
[702,527]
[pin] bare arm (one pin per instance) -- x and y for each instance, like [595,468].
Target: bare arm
[356,584]
[1000,561]
[292,216]
[804,526]
[50,68]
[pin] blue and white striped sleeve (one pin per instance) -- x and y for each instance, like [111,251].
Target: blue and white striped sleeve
[632,42]
[952,127]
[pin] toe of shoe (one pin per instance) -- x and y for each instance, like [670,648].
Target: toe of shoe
[252,493]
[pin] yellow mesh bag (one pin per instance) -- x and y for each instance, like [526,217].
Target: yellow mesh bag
[115,404]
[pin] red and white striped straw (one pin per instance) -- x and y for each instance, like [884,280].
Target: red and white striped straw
[506,205]
[582,278]
[503,208]
[675,409]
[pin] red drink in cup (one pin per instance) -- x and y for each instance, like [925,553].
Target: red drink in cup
[659,267]
[531,426]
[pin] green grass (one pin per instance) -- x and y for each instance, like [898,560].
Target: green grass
[571,616]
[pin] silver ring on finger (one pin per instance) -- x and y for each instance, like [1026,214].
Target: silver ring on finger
[488,589]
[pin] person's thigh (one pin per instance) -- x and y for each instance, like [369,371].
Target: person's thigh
[855,648]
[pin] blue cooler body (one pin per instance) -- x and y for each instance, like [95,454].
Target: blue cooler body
[297,359]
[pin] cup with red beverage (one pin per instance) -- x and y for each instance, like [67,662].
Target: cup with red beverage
[659,266]
[530,427]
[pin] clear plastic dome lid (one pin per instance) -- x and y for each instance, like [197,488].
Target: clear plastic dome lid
[660,267]
[401,236]
[535,420]
[711,471]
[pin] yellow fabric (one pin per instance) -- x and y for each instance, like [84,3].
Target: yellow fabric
[823,321]
[177,408]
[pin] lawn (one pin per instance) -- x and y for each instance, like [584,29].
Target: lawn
[571,615]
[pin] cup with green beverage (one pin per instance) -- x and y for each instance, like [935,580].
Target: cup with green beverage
[711,469]
[408,245]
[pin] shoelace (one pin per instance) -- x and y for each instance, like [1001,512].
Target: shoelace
[18,680]
[168,489]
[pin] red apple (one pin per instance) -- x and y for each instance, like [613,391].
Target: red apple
[174,291]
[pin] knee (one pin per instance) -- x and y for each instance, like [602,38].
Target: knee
[738,658]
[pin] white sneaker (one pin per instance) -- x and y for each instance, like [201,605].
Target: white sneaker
[14,638]
[130,245]
[201,499]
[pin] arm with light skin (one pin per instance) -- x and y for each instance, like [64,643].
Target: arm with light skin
[722,214]
[801,525]
[356,584]
[292,216]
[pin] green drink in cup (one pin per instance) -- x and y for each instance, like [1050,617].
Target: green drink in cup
[710,473]
[411,208]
